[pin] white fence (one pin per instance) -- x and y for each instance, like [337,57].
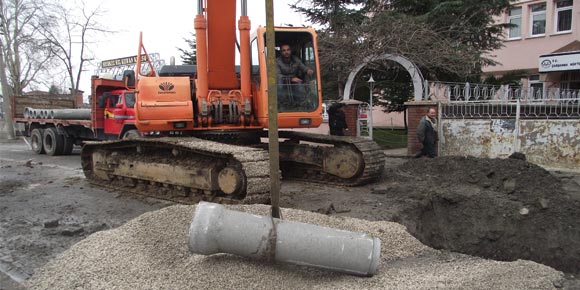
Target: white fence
[495,121]
[464,100]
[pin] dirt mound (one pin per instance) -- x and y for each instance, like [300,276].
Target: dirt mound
[504,209]
[526,181]
[150,252]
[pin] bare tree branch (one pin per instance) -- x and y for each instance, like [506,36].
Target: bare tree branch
[24,52]
[69,44]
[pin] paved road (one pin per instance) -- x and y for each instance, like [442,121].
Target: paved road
[18,150]
[46,206]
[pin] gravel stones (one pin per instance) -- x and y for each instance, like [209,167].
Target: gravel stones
[150,252]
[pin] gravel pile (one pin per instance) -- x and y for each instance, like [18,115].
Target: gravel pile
[150,252]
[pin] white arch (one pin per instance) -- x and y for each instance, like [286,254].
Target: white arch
[413,70]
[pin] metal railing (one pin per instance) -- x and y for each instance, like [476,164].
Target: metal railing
[464,100]
[453,92]
[479,110]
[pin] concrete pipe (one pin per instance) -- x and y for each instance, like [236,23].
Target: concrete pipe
[27,113]
[35,114]
[42,114]
[217,230]
[72,114]
[50,114]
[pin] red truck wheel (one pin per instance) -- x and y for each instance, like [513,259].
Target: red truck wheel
[53,142]
[36,141]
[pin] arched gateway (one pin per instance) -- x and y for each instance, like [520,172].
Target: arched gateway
[418,80]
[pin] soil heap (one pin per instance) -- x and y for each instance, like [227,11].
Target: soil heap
[503,209]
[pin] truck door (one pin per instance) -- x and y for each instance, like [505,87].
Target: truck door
[113,111]
[129,98]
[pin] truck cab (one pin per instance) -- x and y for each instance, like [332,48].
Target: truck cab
[112,110]
[118,111]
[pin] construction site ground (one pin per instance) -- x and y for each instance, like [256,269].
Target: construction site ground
[500,209]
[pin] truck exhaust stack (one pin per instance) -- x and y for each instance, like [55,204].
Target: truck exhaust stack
[217,230]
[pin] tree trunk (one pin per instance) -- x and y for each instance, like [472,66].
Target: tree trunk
[6,92]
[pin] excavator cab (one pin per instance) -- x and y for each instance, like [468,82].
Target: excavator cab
[300,95]
[297,80]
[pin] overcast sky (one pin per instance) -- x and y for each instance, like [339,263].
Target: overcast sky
[164,25]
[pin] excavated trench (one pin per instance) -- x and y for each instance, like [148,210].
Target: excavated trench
[501,209]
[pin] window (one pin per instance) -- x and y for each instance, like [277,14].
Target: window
[563,15]
[538,19]
[570,80]
[130,100]
[515,19]
[536,88]
[113,100]
[255,58]
[308,55]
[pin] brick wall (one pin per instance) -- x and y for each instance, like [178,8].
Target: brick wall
[415,111]
[79,100]
[351,114]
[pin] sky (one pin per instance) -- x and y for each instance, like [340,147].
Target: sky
[164,25]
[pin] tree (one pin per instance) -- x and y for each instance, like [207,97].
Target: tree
[24,52]
[6,92]
[69,44]
[511,78]
[446,39]
[468,24]
[336,17]
[189,56]
[54,90]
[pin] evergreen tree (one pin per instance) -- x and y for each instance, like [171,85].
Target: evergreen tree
[54,90]
[448,40]
[466,23]
[188,56]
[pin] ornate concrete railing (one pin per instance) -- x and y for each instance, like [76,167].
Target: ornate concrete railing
[464,100]
[452,92]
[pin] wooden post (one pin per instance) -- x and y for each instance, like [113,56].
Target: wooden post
[273,146]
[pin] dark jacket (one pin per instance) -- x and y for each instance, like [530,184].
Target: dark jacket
[288,70]
[426,133]
[336,122]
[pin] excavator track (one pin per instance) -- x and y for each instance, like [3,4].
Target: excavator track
[183,170]
[337,160]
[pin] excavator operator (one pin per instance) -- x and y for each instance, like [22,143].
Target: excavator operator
[290,85]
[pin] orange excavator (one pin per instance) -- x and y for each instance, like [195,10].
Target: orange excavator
[202,124]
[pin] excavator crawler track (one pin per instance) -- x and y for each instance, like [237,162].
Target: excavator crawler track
[370,157]
[183,170]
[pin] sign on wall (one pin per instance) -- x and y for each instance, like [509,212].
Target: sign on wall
[559,62]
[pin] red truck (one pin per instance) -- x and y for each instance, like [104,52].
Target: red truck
[61,125]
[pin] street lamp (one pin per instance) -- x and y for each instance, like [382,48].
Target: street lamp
[371,82]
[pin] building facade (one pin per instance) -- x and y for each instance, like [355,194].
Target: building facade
[544,41]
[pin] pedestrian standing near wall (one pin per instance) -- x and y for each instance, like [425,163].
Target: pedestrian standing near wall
[427,134]
[337,119]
